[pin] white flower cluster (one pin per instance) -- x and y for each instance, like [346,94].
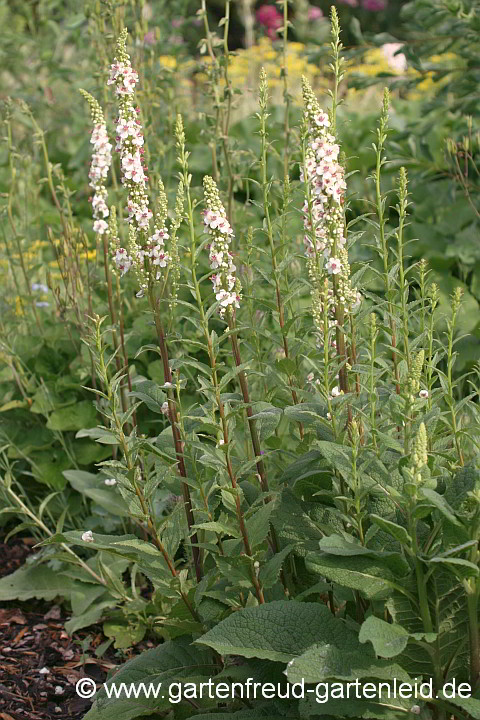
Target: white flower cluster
[225,284]
[326,178]
[155,249]
[324,220]
[100,165]
[122,260]
[101,161]
[129,143]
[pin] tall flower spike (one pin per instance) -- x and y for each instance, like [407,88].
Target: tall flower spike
[130,143]
[324,220]
[226,285]
[101,161]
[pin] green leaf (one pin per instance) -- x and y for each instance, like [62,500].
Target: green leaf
[358,573]
[90,617]
[336,701]
[277,631]
[463,482]
[172,661]
[271,570]
[396,531]
[126,633]
[150,394]
[267,418]
[388,640]
[75,417]
[471,705]
[439,502]
[90,486]
[341,657]
[346,546]
[258,524]
[37,581]
[293,525]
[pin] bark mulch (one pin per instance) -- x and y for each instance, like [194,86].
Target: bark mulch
[39,662]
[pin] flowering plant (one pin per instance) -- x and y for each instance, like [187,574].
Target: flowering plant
[297,466]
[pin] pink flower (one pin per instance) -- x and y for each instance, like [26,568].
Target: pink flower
[374,5]
[314,13]
[269,17]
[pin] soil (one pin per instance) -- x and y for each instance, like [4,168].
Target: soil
[39,662]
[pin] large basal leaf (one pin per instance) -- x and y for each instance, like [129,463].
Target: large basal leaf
[341,661]
[345,704]
[278,631]
[448,606]
[174,661]
[39,582]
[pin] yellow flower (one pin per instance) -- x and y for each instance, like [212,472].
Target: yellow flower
[168,61]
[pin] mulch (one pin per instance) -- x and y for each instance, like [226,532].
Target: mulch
[39,662]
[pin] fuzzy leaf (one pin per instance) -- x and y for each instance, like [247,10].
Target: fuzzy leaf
[38,581]
[277,631]
[388,640]
[358,573]
[172,661]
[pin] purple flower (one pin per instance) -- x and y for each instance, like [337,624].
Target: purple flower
[314,13]
[270,18]
[177,22]
[149,37]
[374,5]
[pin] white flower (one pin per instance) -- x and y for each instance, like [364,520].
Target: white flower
[336,392]
[415,709]
[310,377]
[167,385]
[44,671]
[329,416]
[397,62]
[321,119]
[39,287]
[100,226]
[59,690]
[110,482]
[165,408]
[333,266]
[122,260]
[423,394]
[87,536]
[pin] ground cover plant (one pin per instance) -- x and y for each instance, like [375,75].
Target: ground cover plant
[250,402]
